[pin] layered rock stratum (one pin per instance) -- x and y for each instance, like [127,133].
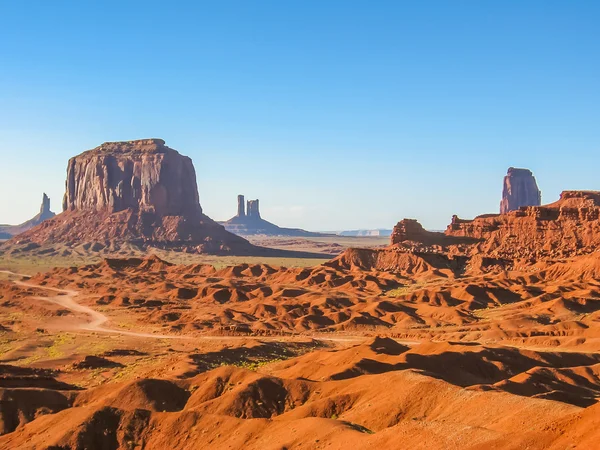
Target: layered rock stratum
[519,189]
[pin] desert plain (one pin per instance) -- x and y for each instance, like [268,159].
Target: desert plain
[133,321]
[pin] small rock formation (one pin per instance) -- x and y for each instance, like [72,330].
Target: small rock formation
[410,234]
[408,230]
[7,231]
[241,210]
[520,189]
[253,212]
[568,227]
[45,212]
[249,222]
[139,192]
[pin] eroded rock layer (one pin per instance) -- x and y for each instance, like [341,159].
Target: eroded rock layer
[143,175]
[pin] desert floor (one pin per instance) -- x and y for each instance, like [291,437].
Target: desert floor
[139,353]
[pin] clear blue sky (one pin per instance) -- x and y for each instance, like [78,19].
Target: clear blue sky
[336,114]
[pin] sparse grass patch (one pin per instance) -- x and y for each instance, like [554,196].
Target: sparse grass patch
[55,350]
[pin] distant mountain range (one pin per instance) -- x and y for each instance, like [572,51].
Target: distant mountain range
[377,232]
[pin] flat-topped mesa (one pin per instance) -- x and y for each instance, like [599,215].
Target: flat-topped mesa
[520,189]
[569,226]
[143,175]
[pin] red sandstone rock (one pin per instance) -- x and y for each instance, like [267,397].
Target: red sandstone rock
[520,189]
[143,175]
[570,226]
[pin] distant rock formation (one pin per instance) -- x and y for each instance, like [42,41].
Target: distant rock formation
[568,227]
[520,189]
[241,209]
[410,234]
[140,192]
[8,231]
[408,230]
[253,211]
[248,222]
[379,232]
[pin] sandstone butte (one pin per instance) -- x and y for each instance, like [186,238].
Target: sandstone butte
[248,221]
[135,191]
[519,189]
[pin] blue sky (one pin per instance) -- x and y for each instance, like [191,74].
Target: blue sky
[336,114]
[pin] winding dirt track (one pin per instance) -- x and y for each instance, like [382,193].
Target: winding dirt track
[66,299]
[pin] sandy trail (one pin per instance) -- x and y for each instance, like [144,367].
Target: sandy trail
[66,299]
[14,273]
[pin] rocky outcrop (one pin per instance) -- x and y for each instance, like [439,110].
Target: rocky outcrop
[136,192]
[410,234]
[241,209]
[248,222]
[253,209]
[143,175]
[568,227]
[7,231]
[410,230]
[520,189]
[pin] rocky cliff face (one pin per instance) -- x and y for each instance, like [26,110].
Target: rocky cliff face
[570,226]
[143,175]
[520,189]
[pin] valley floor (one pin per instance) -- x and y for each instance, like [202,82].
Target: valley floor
[143,354]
